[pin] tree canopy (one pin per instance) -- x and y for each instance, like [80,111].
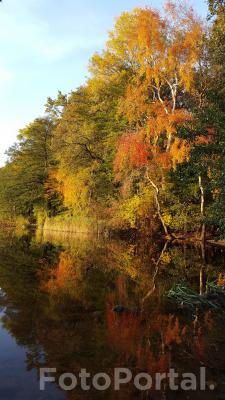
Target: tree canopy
[141,144]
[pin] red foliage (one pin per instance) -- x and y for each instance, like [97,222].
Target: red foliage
[131,151]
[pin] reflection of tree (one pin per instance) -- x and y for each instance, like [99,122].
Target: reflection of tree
[162,341]
[19,260]
[157,266]
[59,302]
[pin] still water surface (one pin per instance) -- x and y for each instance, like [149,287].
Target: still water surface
[57,301]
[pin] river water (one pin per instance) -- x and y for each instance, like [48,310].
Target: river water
[79,302]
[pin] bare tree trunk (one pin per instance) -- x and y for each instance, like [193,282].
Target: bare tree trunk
[203,231]
[168,143]
[201,281]
[159,212]
[156,196]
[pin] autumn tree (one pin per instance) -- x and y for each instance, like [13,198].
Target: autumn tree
[163,54]
[28,165]
[206,135]
[212,114]
[143,136]
[83,145]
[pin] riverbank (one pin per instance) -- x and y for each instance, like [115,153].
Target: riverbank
[73,224]
[86,225]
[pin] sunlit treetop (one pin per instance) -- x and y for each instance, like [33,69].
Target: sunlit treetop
[162,52]
[162,48]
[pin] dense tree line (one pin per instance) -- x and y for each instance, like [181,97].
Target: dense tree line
[142,143]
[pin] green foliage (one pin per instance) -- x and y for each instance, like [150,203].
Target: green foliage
[186,296]
[128,147]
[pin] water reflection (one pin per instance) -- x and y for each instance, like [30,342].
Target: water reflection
[81,302]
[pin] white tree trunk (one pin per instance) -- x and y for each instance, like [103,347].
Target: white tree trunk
[156,196]
[202,207]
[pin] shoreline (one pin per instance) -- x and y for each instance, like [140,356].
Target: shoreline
[110,233]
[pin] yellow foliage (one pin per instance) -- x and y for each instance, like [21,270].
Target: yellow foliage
[135,208]
[166,258]
[40,214]
[75,188]
[180,151]
[22,221]
[167,219]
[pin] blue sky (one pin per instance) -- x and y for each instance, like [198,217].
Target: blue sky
[45,46]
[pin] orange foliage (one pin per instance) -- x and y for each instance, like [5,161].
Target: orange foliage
[62,275]
[52,185]
[139,149]
[160,122]
[163,54]
[124,331]
[180,151]
[221,280]
[159,58]
[206,139]
[134,105]
[129,336]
